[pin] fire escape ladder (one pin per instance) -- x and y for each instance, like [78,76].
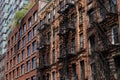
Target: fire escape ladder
[103,70]
[109,12]
[100,60]
[103,64]
[102,35]
[101,3]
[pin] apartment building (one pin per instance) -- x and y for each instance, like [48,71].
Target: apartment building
[79,40]
[21,55]
[2,66]
[62,41]
[104,39]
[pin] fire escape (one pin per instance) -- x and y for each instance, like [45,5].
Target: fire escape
[66,28]
[44,47]
[103,17]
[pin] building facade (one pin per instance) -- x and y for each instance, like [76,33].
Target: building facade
[8,9]
[104,39]
[62,41]
[2,66]
[79,40]
[21,55]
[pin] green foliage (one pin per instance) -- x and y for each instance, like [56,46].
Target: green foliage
[20,14]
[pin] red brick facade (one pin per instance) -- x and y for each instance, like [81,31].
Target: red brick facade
[79,40]
[52,45]
[21,56]
[75,41]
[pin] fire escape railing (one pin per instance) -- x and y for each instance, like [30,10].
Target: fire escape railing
[44,43]
[66,26]
[65,6]
[44,63]
[44,26]
[97,25]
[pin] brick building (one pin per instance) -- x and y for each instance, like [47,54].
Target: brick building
[21,56]
[103,35]
[2,66]
[63,51]
[79,40]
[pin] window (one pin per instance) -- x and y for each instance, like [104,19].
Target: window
[10,75]
[53,11]
[8,55]
[53,56]
[16,36]
[33,63]
[18,72]
[11,51]
[43,59]
[34,46]
[12,40]
[33,78]
[9,43]
[23,54]
[91,16]
[13,76]
[20,32]
[73,1]
[93,69]
[19,45]
[72,21]
[48,58]
[27,79]
[7,66]
[73,46]
[28,50]
[43,77]
[35,16]
[53,34]
[114,1]
[34,31]
[80,17]
[92,44]
[23,41]
[81,41]
[48,76]
[30,22]
[6,76]
[102,12]
[53,76]
[48,17]
[29,36]
[74,70]
[82,66]
[10,63]
[15,49]
[18,58]
[115,37]
[14,61]
[48,37]
[53,14]
[28,66]
[22,69]
[113,7]
[24,27]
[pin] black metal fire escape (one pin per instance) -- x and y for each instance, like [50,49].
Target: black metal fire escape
[44,48]
[101,32]
[64,32]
